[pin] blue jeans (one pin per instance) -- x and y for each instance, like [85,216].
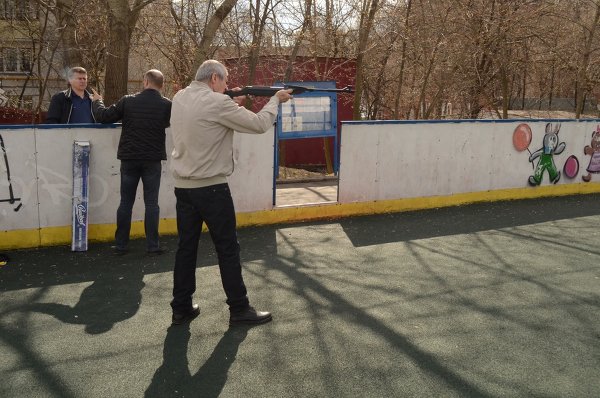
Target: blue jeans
[214,206]
[149,172]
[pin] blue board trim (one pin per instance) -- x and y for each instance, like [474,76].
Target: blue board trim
[58,126]
[458,121]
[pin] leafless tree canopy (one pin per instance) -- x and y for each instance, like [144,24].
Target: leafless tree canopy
[414,58]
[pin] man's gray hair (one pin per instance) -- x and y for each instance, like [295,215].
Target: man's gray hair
[76,69]
[206,70]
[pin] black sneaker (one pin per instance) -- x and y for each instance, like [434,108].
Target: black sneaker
[179,318]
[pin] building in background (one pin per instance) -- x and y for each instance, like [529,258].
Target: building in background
[17,19]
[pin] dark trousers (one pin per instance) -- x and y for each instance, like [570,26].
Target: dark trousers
[212,205]
[149,172]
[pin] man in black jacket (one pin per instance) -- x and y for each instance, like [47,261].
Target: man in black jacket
[145,116]
[74,104]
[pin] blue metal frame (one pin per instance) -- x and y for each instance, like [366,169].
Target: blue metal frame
[58,126]
[331,132]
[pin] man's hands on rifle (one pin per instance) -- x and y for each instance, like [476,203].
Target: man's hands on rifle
[240,99]
[284,95]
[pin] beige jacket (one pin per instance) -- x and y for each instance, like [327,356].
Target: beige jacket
[202,125]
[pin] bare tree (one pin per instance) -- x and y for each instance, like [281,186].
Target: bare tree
[417,58]
[122,19]
[400,80]
[203,52]
[367,16]
[35,41]
[589,31]
[306,23]
[66,18]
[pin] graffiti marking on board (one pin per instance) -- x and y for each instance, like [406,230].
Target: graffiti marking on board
[11,199]
[593,150]
[550,147]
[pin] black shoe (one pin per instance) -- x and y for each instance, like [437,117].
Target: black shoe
[119,251]
[178,319]
[158,252]
[249,316]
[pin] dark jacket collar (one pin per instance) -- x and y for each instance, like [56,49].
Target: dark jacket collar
[151,90]
[69,92]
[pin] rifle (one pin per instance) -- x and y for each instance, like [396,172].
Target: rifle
[269,91]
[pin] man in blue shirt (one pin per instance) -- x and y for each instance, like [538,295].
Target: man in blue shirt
[74,104]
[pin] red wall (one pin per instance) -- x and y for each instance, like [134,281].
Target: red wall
[307,151]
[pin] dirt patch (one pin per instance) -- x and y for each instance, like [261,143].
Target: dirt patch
[304,173]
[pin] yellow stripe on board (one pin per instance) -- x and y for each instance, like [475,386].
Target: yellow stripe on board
[49,236]
[336,210]
[19,239]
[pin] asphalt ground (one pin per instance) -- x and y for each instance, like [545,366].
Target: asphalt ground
[488,300]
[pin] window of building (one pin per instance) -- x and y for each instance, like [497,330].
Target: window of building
[20,10]
[25,59]
[16,60]
[10,59]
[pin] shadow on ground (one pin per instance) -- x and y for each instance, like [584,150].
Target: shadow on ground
[448,320]
[399,227]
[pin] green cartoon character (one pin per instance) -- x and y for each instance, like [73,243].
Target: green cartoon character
[546,154]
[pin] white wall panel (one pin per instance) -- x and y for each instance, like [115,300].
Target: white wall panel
[55,157]
[358,164]
[166,195]
[399,159]
[378,161]
[19,145]
[252,180]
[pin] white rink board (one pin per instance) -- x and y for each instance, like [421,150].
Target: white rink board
[252,180]
[396,159]
[20,154]
[378,161]
[55,156]
[46,196]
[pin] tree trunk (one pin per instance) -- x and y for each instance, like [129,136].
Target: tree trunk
[551,89]
[290,66]
[402,62]
[257,38]
[292,58]
[71,53]
[366,22]
[585,62]
[381,77]
[422,98]
[117,58]
[122,21]
[505,92]
[203,52]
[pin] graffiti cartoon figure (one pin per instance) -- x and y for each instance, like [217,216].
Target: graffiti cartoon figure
[594,152]
[546,154]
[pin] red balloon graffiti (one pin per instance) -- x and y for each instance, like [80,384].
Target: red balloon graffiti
[522,137]
[571,167]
